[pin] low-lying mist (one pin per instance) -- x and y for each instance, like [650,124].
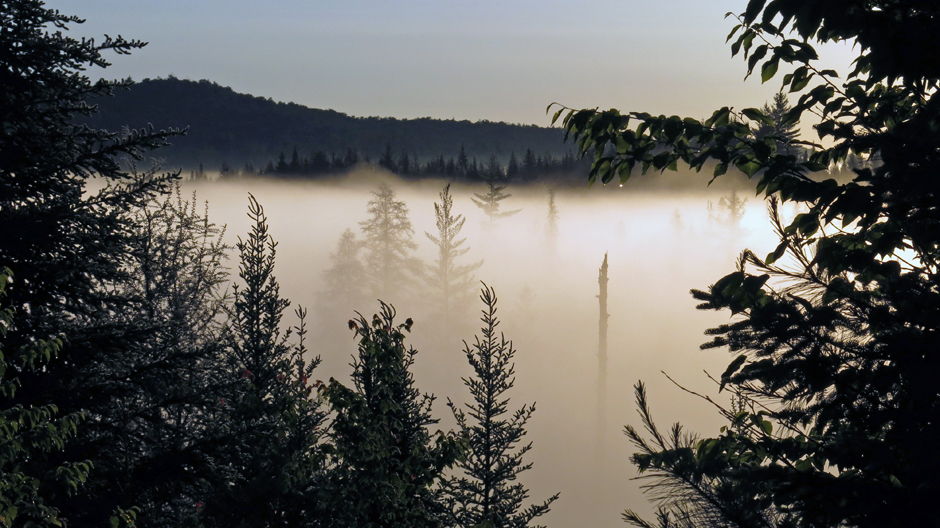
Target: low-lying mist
[660,244]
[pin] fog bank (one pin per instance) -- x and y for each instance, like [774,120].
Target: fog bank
[660,244]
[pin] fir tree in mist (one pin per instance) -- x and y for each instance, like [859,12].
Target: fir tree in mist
[450,282]
[729,212]
[512,168]
[463,162]
[784,133]
[199,174]
[489,493]
[388,234]
[405,166]
[282,166]
[346,280]
[271,457]
[529,164]
[387,161]
[490,201]
[227,172]
[385,462]
[494,169]
[551,228]
[259,346]
[733,205]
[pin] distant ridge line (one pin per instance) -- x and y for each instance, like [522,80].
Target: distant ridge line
[234,128]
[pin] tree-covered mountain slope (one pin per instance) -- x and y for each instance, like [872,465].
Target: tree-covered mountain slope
[226,126]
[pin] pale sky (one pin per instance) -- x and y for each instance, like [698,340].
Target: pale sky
[484,59]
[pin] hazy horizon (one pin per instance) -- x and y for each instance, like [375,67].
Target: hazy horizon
[416,58]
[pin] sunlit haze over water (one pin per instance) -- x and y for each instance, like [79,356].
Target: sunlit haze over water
[659,244]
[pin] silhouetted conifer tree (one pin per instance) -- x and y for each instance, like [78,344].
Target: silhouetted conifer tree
[282,167]
[494,170]
[463,163]
[387,160]
[693,498]
[784,133]
[489,493]
[551,219]
[294,167]
[346,280]
[258,345]
[490,201]
[728,214]
[386,464]
[272,456]
[198,175]
[450,282]
[529,163]
[389,245]
[227,172]
[512,169]
[473,172]
[319,163]
[351,158]
[404,164]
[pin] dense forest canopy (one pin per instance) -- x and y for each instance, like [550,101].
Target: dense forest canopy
[225,126]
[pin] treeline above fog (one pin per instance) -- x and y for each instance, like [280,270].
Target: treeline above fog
[245,132]
[319,164]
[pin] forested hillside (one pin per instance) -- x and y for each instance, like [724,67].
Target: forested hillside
[225,126]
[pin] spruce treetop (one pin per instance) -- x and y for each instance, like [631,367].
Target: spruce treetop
[388,242]
[489,493]
[387,463]
[451,281]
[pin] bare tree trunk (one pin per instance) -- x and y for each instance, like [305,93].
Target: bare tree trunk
[602,359]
